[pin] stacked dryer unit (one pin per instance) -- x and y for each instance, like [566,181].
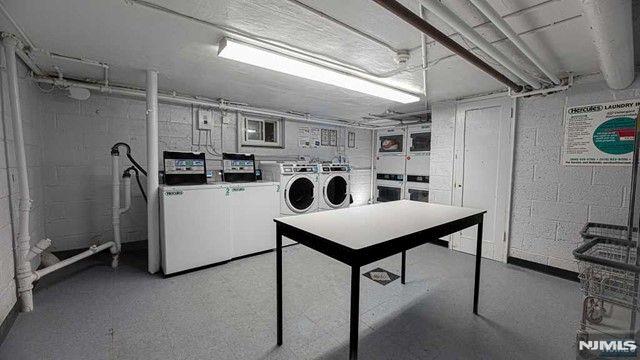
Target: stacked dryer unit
[418,162]
[390,164]
[402,163]
[334,186]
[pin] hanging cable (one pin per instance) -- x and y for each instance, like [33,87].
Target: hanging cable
[133,168]
[209,141]
[114,149]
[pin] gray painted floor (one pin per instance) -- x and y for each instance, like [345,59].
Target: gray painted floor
[89,311]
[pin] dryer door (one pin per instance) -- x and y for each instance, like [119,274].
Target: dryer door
[417,194]
[299,194]
[335,191]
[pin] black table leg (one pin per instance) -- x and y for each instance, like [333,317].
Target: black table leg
[402,270]
[279,280]
[355,312]
[476,287]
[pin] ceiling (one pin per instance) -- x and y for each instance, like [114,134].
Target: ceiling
[131,38]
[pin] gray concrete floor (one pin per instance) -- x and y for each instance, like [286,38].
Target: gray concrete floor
[89,311]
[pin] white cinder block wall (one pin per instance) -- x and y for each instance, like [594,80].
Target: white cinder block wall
[443,118]
[78,163]
[551,202]
[31,117]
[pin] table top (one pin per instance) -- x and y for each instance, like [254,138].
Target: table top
[363,226]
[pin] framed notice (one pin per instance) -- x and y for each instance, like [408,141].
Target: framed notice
[333,137]
[324,137]
[600,134]
[352,139]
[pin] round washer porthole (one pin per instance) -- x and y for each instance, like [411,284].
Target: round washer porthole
[336,191]
[300,194]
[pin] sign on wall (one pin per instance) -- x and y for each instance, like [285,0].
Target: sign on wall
[600,134]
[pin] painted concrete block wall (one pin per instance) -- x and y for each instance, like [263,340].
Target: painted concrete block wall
[443,119]
[78,164]
[551,202]
[9,189]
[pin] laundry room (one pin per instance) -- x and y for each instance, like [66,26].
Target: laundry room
[297,179]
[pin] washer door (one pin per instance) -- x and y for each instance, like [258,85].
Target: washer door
[299,194]
[335,191]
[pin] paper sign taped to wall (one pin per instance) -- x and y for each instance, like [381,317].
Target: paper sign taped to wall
[600,134]
[304,136]
[315,137]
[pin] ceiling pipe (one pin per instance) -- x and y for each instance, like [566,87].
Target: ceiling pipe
[13,22]
[506,29]
[425,59]
[516,13]
[429,30]
[446,15]
[344,25]
[612,33]
[562,87]
[196,101]
[394,116]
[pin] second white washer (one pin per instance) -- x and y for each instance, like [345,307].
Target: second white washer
[334,186]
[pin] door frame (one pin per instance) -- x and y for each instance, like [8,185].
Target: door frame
[508,166]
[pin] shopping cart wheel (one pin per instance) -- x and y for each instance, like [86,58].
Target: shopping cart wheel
[595,311]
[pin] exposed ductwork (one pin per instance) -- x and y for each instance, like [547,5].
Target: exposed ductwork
[611,25]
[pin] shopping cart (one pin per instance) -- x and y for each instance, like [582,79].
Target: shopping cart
[609,270]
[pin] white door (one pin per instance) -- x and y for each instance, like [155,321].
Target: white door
[482,170]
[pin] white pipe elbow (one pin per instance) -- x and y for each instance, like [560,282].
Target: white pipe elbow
[38,248]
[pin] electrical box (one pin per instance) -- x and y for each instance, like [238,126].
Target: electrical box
[205,119]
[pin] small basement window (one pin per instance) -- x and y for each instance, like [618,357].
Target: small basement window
[261,132]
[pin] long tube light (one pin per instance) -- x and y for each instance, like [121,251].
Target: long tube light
[253,55]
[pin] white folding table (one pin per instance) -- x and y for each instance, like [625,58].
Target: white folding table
[358,236]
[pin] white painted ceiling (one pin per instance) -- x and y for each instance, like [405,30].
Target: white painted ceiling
[131,39]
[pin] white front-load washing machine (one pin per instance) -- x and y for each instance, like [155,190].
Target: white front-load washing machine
[298,186]
[334,185]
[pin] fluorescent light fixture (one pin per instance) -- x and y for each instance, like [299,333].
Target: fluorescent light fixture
[253,55]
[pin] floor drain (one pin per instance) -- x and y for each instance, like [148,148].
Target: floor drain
[381,276]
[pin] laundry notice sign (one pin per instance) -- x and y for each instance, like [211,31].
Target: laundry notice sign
[600,134]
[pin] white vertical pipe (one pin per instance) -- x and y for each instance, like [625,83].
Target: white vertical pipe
[23,266]
[468,32]
[502,25]
[373,164]
[152,171]
[425,59]
[611,25]
[127,194]
[115,206]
